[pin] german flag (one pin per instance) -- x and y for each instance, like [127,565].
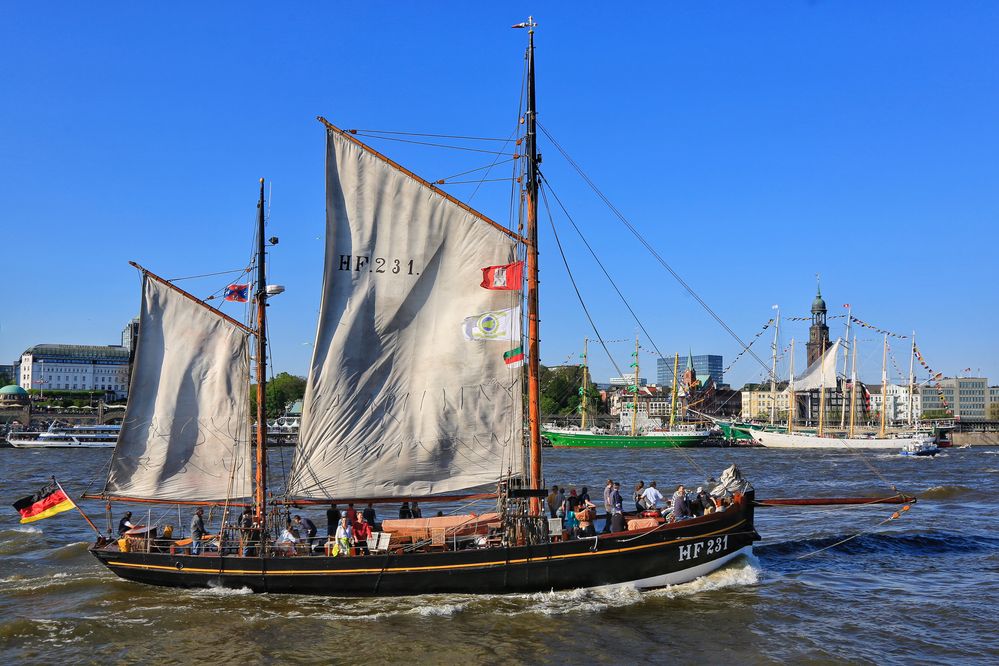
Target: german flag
[48,501]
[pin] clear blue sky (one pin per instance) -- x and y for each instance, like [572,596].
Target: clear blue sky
[754,144]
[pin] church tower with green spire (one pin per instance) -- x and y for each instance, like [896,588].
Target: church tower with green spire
[818,333]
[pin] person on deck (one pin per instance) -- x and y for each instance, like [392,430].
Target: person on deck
[246,531]
[417,513]
[651,497]
[332,520]
[617,509]
[571,523]
[584,495]
[287,540]
[306,530]
[703,502]
[362,532]
[405,513]
[344,535]
[569,507]
[586,513]
[608,507]
[197,531]
[552,500]
[369,515]
[351,513]
[125,524]
[680,509]
[639,489]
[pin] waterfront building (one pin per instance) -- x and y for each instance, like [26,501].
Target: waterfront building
[993,410]
[95,368]
[6,374]
[897,399]
[652,400]
[757,400]
[968,397]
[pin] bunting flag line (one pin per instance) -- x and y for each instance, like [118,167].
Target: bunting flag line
[47,502]
[843,316]
[746,348]
[882,331]
[935,378]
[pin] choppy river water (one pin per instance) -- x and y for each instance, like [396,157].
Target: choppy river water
[921,589]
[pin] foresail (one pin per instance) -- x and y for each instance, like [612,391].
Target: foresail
[410,392]
[185,435]
[822,372]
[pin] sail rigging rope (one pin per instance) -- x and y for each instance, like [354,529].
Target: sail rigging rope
[896,515]
[568,271]
[572,280]
[437,145]
[444,181]
[648,246]
[434,136]
[602,268]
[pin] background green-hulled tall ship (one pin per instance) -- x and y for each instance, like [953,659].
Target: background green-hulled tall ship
[631,434]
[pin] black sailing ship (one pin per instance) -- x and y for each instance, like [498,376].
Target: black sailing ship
[411,396]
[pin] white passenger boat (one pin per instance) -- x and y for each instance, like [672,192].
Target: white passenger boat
[923,449]
[67,437]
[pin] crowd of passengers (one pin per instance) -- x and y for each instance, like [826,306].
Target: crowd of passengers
[578,512]
[349,530]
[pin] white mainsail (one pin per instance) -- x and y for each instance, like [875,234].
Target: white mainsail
[821,373]
[185,434]
[399,402]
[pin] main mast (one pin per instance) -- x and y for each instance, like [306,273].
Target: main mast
[884,385]
[672,405]
[584,393]
[260,498]
[634,394]
[773,371]
[790,392]
[533,321]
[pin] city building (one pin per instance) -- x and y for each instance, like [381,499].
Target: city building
[818,332]
[130,336]
[6,371]
[757,401]
[897,410]
[627,381]
[993,413]
[653,401]
[95,368]
[967,397]
[705,366]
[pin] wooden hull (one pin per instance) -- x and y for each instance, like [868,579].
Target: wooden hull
[671,554]
[663,441]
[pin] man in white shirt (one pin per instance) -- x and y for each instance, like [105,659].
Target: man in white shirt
[651,497]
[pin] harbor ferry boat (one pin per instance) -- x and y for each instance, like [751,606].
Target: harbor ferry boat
[67,437]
